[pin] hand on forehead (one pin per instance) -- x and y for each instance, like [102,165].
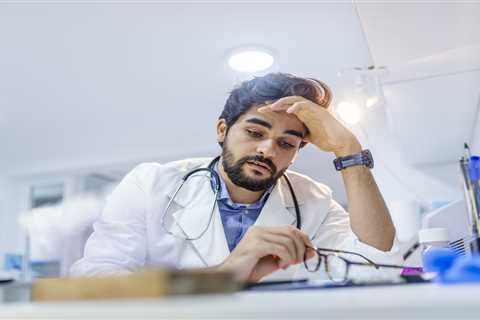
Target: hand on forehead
[279,118]
[289,104]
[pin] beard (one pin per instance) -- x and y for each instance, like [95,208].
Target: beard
[234,171]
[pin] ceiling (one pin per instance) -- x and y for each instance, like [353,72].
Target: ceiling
[433,53]
[85,85]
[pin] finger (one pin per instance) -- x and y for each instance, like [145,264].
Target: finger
[264,267]
[306,240]
[283,240]
[294,234]
[292,237]
[295,239]
[307,244]
[309,253]
[277,107]
[294,108]
[281,104]
[288,100]
[310,247]
[266,248]
[268,245]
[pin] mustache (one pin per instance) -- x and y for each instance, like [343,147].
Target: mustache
[261,159]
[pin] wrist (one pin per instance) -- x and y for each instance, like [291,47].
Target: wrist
[363,158]
[233,268]
[352,147]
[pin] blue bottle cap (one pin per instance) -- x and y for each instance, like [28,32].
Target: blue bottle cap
[474,168]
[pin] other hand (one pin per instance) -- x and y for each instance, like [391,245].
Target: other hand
[264,250]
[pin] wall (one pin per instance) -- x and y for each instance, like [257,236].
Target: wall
[3,219]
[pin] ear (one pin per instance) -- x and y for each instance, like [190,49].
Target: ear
[221,130]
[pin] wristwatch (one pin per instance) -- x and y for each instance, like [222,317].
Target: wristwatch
[363,158]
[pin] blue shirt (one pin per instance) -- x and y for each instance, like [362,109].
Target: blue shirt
[237,217]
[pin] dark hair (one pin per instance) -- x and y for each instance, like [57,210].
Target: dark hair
[271,87]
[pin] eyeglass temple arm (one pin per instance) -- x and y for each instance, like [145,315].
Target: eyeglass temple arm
[344,251]
[379,265]
[370,262]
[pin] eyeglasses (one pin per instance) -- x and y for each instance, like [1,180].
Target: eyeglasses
[336,266]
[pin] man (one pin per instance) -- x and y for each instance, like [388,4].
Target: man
[251,230]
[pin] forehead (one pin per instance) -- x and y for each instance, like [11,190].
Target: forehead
[278,119]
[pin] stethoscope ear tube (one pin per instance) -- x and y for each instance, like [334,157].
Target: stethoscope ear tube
[217,186]
[213,173]
[295,202]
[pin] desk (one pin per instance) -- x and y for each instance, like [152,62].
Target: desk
[413,301]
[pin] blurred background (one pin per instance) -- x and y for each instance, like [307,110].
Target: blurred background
[90,89]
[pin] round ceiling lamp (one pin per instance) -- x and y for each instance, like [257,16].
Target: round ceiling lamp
[250,59]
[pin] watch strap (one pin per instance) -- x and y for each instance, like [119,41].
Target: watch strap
[363,158]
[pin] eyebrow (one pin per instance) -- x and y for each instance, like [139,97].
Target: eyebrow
[269,126]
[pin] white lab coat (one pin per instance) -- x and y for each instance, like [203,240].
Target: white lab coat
[129,234]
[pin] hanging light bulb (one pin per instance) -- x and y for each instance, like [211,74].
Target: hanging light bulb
[362,91]
[372,101]
[372,86]
[350,112]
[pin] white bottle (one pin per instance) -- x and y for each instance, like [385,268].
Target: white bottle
[432,238]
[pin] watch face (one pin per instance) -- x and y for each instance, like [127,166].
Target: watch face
[338,164]
[364,158]
[367,158]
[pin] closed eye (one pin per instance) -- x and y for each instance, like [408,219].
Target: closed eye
[286,145]
[254,134]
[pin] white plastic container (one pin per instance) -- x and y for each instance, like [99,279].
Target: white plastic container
[433,238]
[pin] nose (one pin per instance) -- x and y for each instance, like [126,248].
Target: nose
[266,148]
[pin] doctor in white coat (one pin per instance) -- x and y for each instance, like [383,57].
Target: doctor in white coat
[251,229]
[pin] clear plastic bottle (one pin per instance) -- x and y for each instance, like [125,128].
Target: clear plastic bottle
[432,238]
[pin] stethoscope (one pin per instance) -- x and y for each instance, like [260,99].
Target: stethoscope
[210,169]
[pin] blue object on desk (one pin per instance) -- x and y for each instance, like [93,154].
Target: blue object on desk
[452,268]
[464,270]
[438,260]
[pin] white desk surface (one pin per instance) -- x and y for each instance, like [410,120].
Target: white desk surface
[413,302]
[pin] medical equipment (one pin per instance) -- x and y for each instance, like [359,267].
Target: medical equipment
[210,170]
[470,188]
[463,228]
[431,239]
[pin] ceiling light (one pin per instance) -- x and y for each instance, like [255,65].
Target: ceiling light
[350,112]
[250,60]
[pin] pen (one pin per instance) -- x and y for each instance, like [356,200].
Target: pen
[466,149]
[469,192]
[474,175]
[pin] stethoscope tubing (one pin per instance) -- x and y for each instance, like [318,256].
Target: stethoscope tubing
[217,186]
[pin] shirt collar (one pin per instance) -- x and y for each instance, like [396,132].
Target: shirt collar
[224,196]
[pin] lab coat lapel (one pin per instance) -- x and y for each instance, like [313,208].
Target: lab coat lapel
[195,205]
[195,210]
[275,212]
